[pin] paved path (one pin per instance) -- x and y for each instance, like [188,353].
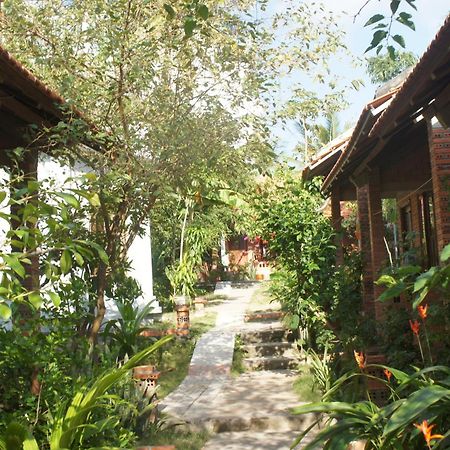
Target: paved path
[249,412]
[211,362]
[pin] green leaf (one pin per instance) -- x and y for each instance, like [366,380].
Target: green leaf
[169,10]
[2,196]
[394,5]
[203,12]
[35,299]
[295,322]
[55,298]
[189,26]
[14,263]
[5,311]
[400,40]
[424,279]
[393,291]
[378,36]
[386,280]
[420,297]
[66,261]
[414,406]
[405,19]
[411,3]
[445,254]
[69,199]
[391,52]
[94,200]
[374,19]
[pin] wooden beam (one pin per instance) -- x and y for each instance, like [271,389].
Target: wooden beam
[19,109]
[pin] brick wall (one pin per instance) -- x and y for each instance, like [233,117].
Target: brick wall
[439,143]
[362,194]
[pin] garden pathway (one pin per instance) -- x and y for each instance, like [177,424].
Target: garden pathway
[249,412]
[211,362]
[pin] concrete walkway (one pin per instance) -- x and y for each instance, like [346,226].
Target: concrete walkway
[211,362]
[249,412]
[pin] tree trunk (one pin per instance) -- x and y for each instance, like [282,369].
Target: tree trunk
[101,308]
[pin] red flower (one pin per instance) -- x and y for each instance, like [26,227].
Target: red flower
[415,327]
[388,374]
[360,359]
[422,311]
[426,431]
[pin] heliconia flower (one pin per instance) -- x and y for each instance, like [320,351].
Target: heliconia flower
[422,311]
[415,327]
[388,374]
[426,430]
[360,359]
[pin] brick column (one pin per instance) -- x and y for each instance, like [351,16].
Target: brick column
[362,198]
[376,237]
[439,143]
[336,220]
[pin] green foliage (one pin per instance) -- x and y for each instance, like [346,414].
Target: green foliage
[383,68]
[317,295]
[423,395]
[382,25]
[72,425]
[124,332]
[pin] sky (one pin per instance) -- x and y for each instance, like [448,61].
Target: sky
[428,18]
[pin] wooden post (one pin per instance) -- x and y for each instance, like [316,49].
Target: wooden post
[336,220]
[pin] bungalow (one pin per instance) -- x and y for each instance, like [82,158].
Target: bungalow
[399,149]
[26,101]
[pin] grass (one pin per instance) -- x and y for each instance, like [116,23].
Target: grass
[237,366]
[174,359]
[304,386]
[261,300]
[183,440]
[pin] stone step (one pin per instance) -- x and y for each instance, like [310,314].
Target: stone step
[280,421]
[270,363]
[263,316]
[267,334]
[270,349]
[251,440]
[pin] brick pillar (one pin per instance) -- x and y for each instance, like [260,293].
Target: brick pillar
[439,143]
[336,220]
[362,198]
[377,244]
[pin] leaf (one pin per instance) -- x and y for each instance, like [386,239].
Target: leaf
[169,10]
[424,279]
[66,261]
[378,36]
[391,52]
[5,311]
[393,291]
[394,5]
[400,40]
[35,299]
[295,322]
[203,12]
[69,199]
[55,298]
[411,3]
[94,200]
[445,254]
[405,19]
[414,406]
[386,280]
[2,196]
[374,19]
[14,263]
[189,26]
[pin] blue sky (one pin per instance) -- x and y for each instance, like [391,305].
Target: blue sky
[428,19]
